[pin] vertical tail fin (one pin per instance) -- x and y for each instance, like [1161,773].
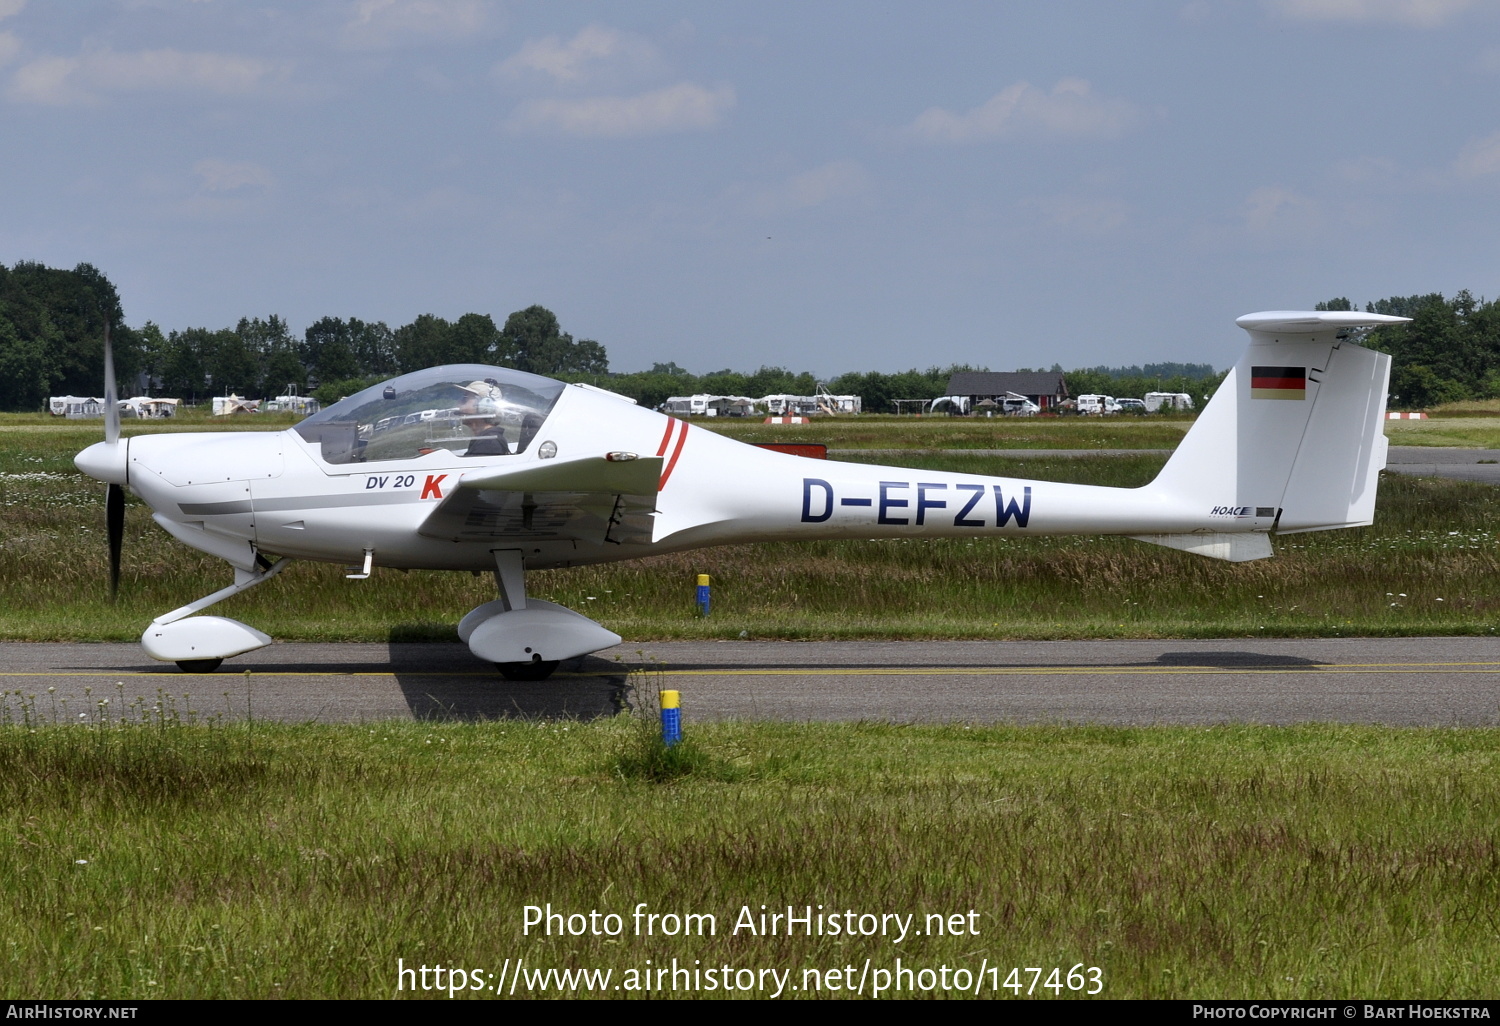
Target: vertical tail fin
[1296,428]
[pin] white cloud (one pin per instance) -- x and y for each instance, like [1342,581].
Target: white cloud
[380,24]
[684,107]
[1071,110]
[47,80]
[9,8]
[838,180]
[1422,13]
[9,47]
[1274,210]
[1479,158]
[216,175]
[84,79]
[596,49]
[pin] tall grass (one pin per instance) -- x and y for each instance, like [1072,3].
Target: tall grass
[214,861]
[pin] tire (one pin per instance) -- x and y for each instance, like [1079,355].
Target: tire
[199,665]
[526,671]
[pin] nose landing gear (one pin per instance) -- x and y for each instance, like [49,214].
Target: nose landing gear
[199,644]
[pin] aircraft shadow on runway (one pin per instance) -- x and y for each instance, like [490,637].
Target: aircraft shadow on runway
[582,689]
[1207,660]
[1235,661]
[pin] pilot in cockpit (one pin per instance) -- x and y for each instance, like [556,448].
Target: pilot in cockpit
[480,410]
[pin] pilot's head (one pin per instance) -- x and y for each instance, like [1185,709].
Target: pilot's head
[480,405]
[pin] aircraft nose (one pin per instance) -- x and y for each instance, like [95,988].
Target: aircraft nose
[104,461]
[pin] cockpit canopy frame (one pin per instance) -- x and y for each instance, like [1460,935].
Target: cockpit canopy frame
[468,409]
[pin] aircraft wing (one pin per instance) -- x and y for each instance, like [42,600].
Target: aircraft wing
[591,500]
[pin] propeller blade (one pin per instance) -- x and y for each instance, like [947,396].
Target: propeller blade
[114,496]
[111,391]
[114,522]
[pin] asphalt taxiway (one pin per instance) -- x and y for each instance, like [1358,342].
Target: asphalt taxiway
[1400,681]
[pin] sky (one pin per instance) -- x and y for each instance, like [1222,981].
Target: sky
[827,186]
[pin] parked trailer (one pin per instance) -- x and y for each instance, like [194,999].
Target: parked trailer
[1168,401]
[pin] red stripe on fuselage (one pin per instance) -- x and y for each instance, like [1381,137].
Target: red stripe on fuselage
[681,437]
[671,423]
[1298,384]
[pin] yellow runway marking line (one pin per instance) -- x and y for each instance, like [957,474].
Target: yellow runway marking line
[1074,671]
[842,671]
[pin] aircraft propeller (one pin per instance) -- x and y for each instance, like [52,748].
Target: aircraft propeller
[114,495]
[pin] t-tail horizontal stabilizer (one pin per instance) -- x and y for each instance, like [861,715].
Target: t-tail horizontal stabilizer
[1296,428]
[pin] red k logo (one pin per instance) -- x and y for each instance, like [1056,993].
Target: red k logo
[431,489]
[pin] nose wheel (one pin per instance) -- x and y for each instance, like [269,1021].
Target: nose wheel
[538,670]
[199,665]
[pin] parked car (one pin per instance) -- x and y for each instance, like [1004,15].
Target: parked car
[1130,405]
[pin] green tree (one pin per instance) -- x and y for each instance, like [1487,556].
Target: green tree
[153,354]
[328,350]
[532,340]
[374,347]
[276,353]
[66,312]
[472,339]
[25,370]
[422,343]
[230,364]
[779,381]
[724,382]
[183,369]
[651,388]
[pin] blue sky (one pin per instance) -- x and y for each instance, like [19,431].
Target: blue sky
[828,186]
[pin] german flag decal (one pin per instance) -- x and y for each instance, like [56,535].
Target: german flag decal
[1278,382]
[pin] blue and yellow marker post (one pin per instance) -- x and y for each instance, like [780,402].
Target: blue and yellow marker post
[671,718]
[703,594]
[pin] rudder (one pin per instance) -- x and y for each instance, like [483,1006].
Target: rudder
[1296,429]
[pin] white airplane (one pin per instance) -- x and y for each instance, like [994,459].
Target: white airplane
[482,468]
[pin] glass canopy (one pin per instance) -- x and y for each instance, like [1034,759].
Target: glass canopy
[468,409]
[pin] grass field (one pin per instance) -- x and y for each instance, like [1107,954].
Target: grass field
[256,860]
[1478,432]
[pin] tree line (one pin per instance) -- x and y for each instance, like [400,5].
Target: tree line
[1448,353]
[52,343]
[335,357]
[52,327]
